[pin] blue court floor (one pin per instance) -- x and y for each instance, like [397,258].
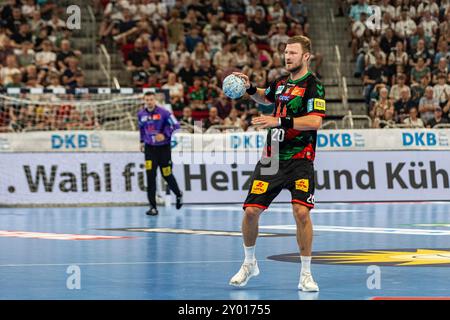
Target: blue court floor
[361,251]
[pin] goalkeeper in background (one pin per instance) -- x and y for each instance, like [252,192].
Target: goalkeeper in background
[156,126]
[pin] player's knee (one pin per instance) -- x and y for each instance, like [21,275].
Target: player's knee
[252,213]
[301,213]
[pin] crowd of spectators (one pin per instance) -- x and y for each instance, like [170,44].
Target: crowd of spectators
[403,60]
[35,52]
[188,47]
[35,46]
[49,117]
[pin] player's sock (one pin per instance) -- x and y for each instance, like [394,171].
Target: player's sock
[173,185]
[179,201]
[306,264]
[249,254]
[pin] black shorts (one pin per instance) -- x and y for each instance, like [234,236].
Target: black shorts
[296,175]
[158,156]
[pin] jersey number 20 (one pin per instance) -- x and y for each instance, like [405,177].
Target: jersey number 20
[278,135]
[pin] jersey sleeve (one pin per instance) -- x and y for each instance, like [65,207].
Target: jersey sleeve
[141,127]
[171,124]
[270,91]
[316,104]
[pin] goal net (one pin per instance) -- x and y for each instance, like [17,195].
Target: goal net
[48,141]
[25,110]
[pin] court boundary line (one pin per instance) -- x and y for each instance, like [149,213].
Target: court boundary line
[142,204]
[23,265]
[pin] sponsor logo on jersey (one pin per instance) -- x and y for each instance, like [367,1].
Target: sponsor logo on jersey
[310,105]
[259,187]
[267,92]
[144,118]
[302,185]
[319,104]
[316,104]
[279,89]
[298,92]
[156,117]
[284,98]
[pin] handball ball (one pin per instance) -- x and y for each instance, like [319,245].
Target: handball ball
[233,86]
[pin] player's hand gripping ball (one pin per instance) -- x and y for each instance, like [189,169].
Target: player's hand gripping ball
[233,86]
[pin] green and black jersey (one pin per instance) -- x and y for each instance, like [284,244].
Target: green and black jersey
[305,96]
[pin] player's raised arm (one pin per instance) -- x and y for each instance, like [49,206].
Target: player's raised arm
[257,94]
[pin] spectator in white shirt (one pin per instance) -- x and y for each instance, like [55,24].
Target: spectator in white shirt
[241,56]
[29,8]
[371,56]
[394,93]
[7,72]
[441,90]
[386,23]
[280,37]
[276,13]
[442,68]
[36,22]
[199,53]
[398,56]
[223,59]
[404,5]
[113,10]
[152,10]
[406,26]
[175,88]
[359,27]
[387,7]
[214,39]
[427,105]
[429,5]
[233,119]
[56,23]
[179,56]
[251,9]
[46,58]
[429,25]
[413,121]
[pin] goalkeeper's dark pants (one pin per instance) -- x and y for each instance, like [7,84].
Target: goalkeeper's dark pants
[159,156]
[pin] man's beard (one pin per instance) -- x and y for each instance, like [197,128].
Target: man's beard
[296,69]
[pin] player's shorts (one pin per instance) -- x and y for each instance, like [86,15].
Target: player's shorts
[158,156]
[296,175]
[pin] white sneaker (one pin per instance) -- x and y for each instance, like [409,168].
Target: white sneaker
[307,283]
[244,274]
